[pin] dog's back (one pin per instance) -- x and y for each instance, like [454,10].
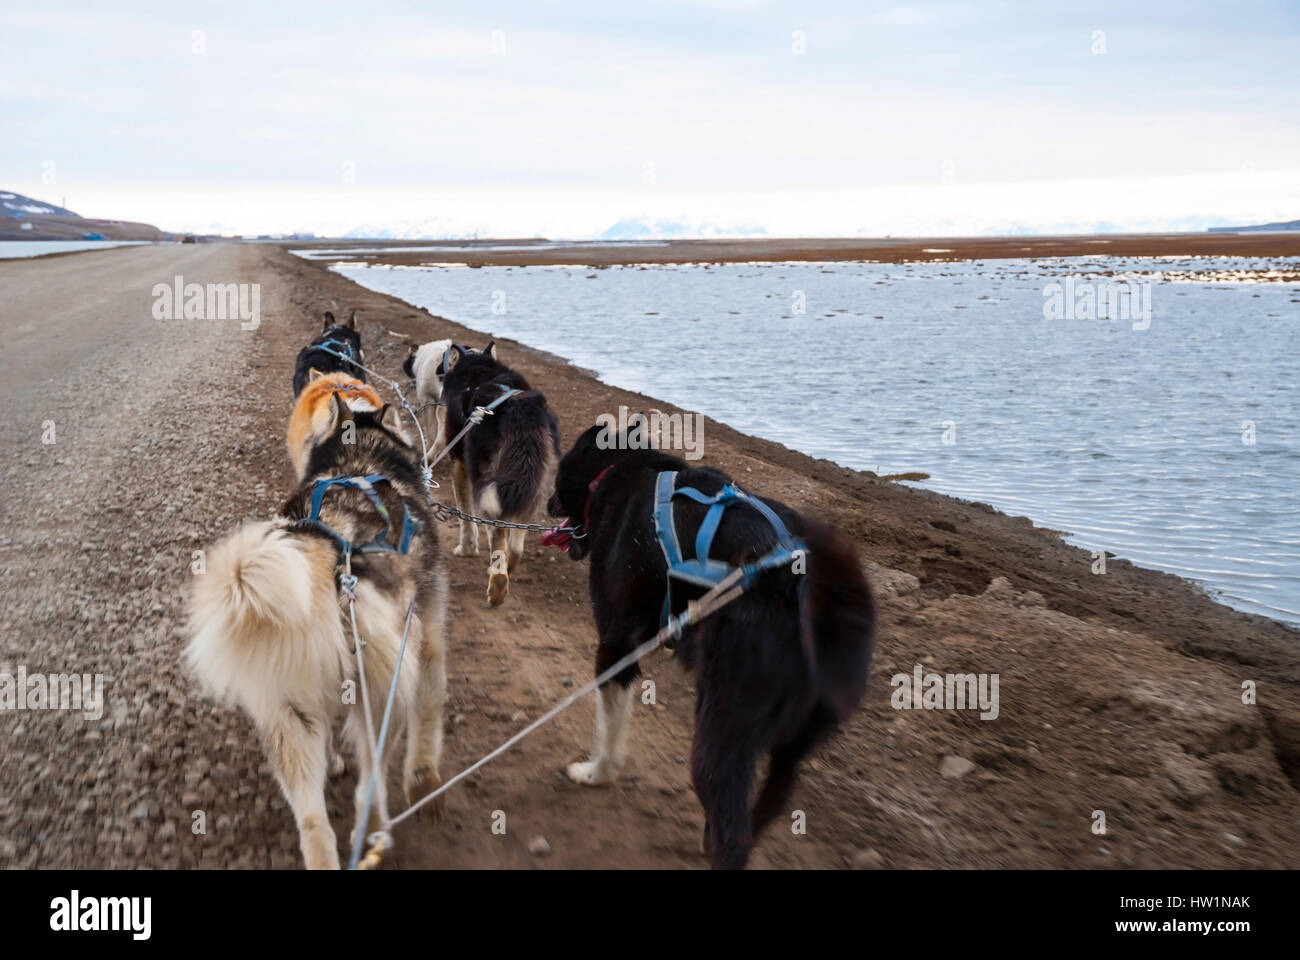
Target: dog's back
[424,365]
[336,349]
[814,628]
[510,456]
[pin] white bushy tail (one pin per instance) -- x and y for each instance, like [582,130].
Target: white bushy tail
[257,634]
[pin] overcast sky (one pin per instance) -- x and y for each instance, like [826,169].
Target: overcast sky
[560,119]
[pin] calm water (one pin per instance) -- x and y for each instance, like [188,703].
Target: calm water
[1130,440]
[11,249]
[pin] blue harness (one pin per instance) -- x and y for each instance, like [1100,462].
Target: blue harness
[410,526]
[341,348]
[703,571]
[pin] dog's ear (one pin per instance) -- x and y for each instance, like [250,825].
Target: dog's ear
[314,374]
[491,350]
[352,320]
[391,419]
[340,413]
[454,354]
[327,321]
[415,348]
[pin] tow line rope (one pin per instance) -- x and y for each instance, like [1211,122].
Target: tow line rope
[721,595]
[380,841]
[444,512]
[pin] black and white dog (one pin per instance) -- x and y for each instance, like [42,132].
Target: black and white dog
[322,353]
[504,467]
[425,365]
[777,669]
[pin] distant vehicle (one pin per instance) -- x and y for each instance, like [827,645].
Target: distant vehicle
[188,238]
[92,236]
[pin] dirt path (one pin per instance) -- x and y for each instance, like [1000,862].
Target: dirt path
[1119,693]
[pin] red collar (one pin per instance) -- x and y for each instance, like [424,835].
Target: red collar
[591,488]
[560,536]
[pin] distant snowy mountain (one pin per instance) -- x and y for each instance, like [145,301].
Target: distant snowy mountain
[22,218]
[430,228]
[16,205]
[1287,225]
[647,228]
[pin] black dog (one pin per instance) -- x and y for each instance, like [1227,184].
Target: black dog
[777,669]
[322,354]
[503,467]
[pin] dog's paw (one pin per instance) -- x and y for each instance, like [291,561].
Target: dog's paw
[325,860]
[498,579]
[592,773]
[465,550]
[422,783]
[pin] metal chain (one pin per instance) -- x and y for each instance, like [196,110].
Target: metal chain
[446,513]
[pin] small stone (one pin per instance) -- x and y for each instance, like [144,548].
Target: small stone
[869,859]
[954,768]
[1189,781]
[539,846]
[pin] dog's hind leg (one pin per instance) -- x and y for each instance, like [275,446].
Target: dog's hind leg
[722,767]
[334,759]
[296,744]
[783,771]
[424,731]
[468,545]
[514,547]
[439,440]
[498,567]
[613,710]
[379,808]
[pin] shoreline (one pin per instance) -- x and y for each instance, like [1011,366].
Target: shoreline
[880,250]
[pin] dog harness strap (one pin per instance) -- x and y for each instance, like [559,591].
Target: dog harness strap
[663,517]
[410,526]
[338,346]
[666,531]
[703,571]
[506,394]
